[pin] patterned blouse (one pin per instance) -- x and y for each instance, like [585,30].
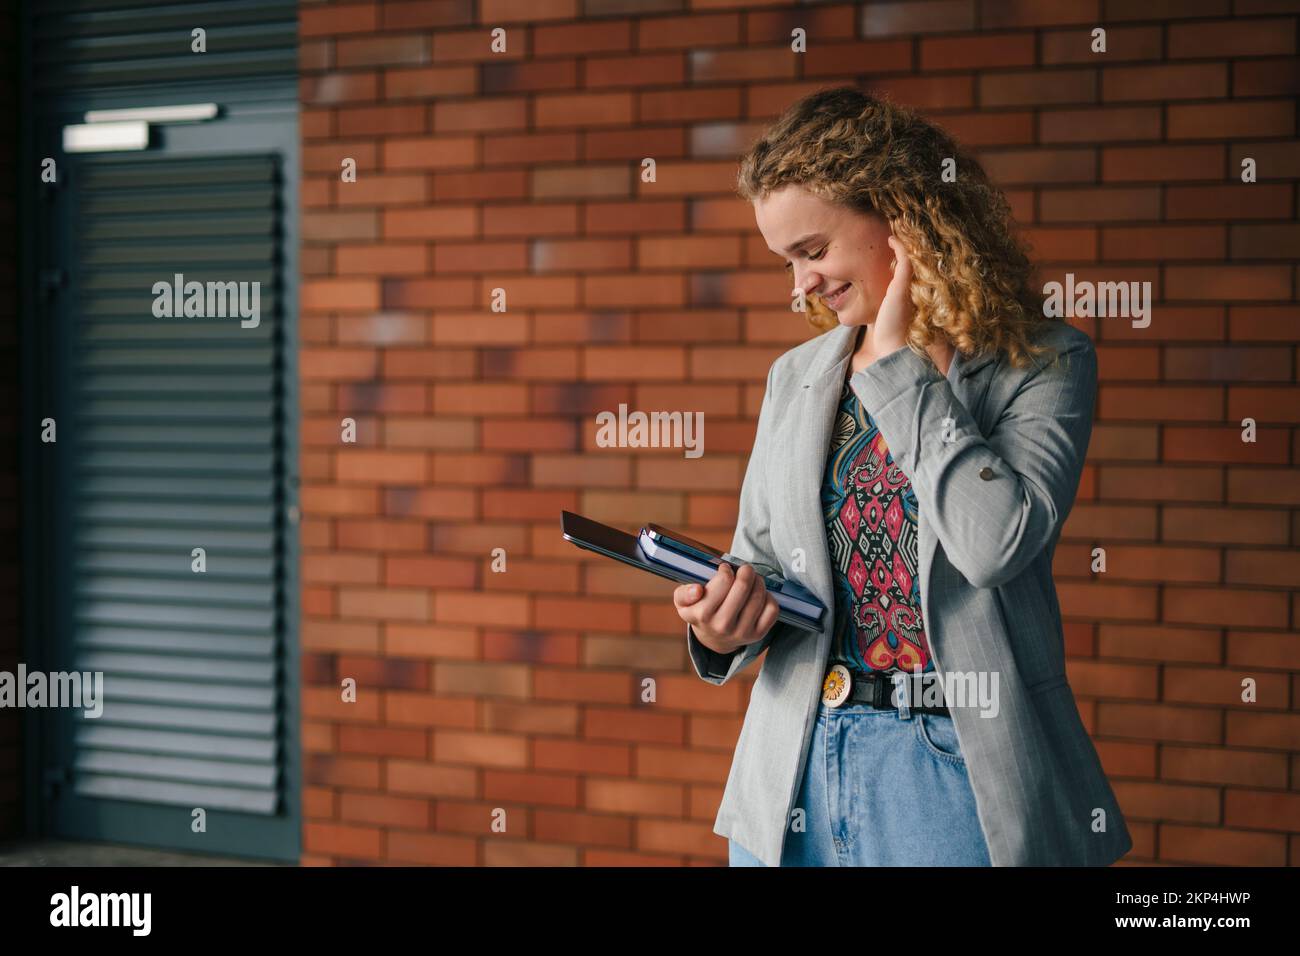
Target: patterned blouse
[870,513]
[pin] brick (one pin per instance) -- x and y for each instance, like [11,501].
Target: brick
[1106,124]
[1016,13]
[1232,38]
[1099,601]
[1265,241]
[943,92]
[425,82]
[1163,801]
[1261,809]
[1275,160]
[382,810]
[1224,444]
[667,32]
[1227,363]
[923,16]
[1099,205]
[1115,522]
[1231,283]
[371,260]
[1235,120]
[1276,404]
[381,51]
[1263,323]
[320,226]
[1122,43]
[1239,607]
[374,120]
[1198,81]
[1040,165]
[1158,642]
[1263,568]
[837,59]
[1174,483]
[1222,687]
[718,103]
[428,152]
[480,749]
[340,19]
[986,50]
[1163,242]
[480,114]
[1256,201]
[1121,10]
[1271,77]
[334,88]
[1162,722]
[647,69]
[1211,765]
[1263,648]
[319,295]
[471,46]
[1221,847]
[1161,163]
[1126,562]
[1037,88]
[1277,731]
[342,840]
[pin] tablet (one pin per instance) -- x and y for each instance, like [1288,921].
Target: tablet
[621,546]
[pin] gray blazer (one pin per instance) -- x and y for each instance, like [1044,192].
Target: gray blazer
[993,487]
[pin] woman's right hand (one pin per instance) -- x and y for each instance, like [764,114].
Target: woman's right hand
[732,610]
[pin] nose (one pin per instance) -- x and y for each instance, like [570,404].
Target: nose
[809,281]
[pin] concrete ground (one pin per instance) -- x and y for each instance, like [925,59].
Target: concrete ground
[64,853]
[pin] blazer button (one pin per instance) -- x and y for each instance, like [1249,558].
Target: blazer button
[986,473]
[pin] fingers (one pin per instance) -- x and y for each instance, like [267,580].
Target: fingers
[767,619]
[695,603]
[903,264]
[733,602]
[687,595]
[754,607]
[741,583]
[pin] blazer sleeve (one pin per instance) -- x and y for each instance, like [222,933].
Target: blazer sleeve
[995,502]
[752,543]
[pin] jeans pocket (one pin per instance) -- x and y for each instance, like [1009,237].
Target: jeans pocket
[938,734]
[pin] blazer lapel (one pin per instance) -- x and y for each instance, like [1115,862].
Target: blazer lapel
[809,424]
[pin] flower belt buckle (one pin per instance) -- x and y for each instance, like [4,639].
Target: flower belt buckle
[836,686]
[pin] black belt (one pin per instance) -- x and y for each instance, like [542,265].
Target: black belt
[869,687]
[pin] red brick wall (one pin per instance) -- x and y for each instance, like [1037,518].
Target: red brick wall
[521,170]
[10,636]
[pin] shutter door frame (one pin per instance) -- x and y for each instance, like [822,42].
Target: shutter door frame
[259,116]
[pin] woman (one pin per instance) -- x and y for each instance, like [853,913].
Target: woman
[913,466]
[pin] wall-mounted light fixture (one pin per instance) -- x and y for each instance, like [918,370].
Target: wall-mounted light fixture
[127,129]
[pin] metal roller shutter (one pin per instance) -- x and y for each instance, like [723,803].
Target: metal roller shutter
[177,439]
[94,44]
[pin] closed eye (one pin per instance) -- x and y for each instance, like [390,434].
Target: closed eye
[820,252]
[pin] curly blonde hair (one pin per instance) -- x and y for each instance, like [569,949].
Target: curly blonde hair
[970,273]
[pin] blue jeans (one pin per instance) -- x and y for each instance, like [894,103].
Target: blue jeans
[881,790]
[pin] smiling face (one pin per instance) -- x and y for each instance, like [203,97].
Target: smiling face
[829,248]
